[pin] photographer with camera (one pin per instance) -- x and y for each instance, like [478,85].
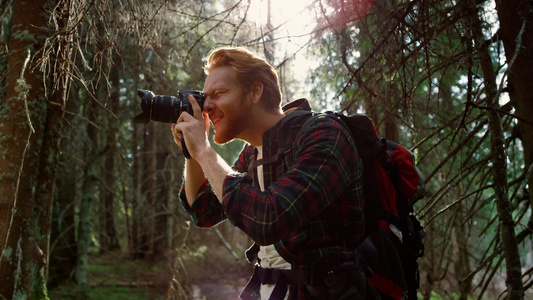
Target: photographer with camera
[305,218]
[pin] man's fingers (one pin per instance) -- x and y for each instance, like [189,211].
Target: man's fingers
[199,114]
[191,129]
[195,107]
[176,133]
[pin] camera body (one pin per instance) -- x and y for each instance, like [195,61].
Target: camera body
[166,109]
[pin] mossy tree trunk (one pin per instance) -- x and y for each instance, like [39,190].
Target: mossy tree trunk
[88,197]
[108,233]
[30,128]
[515,288]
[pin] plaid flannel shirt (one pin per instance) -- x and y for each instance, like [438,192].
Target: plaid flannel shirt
[312,211]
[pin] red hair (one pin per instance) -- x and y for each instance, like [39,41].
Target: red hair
[248,67]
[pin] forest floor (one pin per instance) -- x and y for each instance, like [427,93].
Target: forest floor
[115,277]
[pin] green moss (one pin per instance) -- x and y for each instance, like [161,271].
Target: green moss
[19,295]
[99,268]
[39,283]
[8,252]
[24,35]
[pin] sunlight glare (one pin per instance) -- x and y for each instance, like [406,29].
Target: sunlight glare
[293,22]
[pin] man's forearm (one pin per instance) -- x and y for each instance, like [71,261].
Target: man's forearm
[194,178]
[209,166]
[215,170]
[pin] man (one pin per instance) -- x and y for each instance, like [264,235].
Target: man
[305,218]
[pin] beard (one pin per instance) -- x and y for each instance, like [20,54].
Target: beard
[236,122]
[229,134]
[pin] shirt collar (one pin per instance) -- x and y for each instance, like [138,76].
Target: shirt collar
[301,103]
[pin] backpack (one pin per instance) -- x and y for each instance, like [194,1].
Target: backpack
[392,184]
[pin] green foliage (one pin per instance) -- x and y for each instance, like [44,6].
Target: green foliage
[436,296]
[112,277]
[73,291]
[195,254]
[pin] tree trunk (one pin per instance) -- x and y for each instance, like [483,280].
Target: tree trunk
[133,232]
[87,199]
[62,255]
[143,212]
[134,238]
[516,33]
[54,131]
[27,161]
[147,215]
[162,197]
[63,234]
[461,256]
[268,41]
[515,288]
[108,233]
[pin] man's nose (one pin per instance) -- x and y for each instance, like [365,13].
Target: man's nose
[208,105]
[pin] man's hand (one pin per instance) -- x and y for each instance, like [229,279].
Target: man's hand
[194,129]
[206,163]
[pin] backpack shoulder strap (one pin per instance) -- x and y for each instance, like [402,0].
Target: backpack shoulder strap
[369,147]
[290,128]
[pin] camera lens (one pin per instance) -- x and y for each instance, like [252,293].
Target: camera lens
[166,109]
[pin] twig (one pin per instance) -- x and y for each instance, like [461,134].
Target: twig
[226,244]
[22,88]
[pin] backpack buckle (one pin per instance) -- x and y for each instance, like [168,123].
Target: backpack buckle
[330,278]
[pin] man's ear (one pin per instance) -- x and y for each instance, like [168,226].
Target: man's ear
[256,90]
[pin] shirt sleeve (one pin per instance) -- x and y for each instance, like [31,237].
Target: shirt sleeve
[325,159]
[206,210]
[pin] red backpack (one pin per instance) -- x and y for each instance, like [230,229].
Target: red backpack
[392,184]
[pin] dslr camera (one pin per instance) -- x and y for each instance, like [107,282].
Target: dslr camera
[167,109]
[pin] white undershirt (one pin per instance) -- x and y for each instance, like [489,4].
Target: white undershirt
[268,255]
[260,174]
